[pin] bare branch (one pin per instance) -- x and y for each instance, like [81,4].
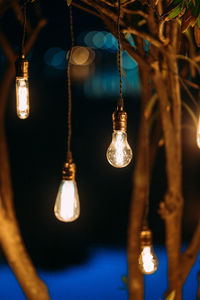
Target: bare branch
[144,35]
[31,40]
[10,54]
[90,11]
[20,16]
[189,256]
[135,12]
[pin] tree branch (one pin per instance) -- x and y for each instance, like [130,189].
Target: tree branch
[189,256]
[144,35]
[9,53]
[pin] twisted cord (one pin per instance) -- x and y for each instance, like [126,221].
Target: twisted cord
[120,102]
[69,153]
[24,29]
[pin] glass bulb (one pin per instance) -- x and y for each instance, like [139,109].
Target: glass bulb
[22,95]
[119,153]
[67,207]
[148,262]
[198,133]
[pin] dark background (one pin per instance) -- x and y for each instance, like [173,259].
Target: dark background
[37,149]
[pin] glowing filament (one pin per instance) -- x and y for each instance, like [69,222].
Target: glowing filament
[67,207]
[119,153]
[22,95]
[148,262]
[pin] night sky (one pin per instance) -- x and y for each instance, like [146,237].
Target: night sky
[37,149]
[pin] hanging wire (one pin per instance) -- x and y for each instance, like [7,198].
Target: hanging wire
[120,102]
[69,153]
[24,28]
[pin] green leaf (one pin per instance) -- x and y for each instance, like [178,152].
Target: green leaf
[176,11]
[171,296]
[194,118]
[69,2]
[198,21]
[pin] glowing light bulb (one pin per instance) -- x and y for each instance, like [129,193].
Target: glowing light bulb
[119,153]
[22,96]
[67,207]
[198,133]
[22,87]
[148,262]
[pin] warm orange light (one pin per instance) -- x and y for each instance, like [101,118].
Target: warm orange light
[22,97]
[67,207]
[198,133]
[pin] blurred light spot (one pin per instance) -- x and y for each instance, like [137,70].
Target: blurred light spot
[146,45]
[101,40]
[130,39]
[55,57]
[106,84]
[110,42]
[82,56]
[128,62]
[88,39]
[98,39]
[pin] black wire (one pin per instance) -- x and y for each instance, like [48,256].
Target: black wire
[69,153]
[120,102]
[24,29]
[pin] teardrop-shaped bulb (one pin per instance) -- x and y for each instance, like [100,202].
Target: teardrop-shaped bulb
[198,133]
[22,97]
[119,153]
[148,262]
[67,206]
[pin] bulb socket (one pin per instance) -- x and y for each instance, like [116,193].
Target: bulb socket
[119,118]
[145,237]
[69,171]
[21,66]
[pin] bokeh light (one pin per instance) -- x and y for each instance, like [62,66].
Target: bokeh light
[82,56]
[55,57]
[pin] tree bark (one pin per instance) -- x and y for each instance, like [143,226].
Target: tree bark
[140,195]
[10,237]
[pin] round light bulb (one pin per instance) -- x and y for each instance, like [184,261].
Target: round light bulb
[198,133]
[148,262]
[119,153]
[67,207]
[22,97]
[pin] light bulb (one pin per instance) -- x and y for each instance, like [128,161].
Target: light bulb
[67,207]
[148,262]
[22,97]
[198,133]
[22,87]
[119,153]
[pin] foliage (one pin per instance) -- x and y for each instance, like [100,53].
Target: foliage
[188,11]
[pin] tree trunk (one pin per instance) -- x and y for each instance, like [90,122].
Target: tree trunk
[140,195]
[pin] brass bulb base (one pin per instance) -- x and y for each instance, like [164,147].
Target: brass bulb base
[21,66]
[145,237]
[69,171]
[119,118]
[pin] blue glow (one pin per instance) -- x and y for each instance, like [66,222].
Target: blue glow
[110,42]
[59,60]
[99,278]
[128,62]
[101,40]
[106,84]
[55,57]
[88,39]
[98,39]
